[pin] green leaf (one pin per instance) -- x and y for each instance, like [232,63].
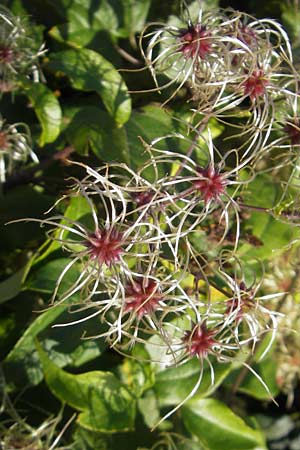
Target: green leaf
[152,121]
[173,385]
[217,427]
[105,404]
[64,345]
[149,123]
[77,208]
[88,440]
[84,19]
[173,441]
[68,33]
[137,372]
[10,287]
[251,385]
[100,14]
[89,71]
[47,109]
[275,235]
[149,408]
[135,14]
[22,364]
[291,21]
[92,128]
[45,278]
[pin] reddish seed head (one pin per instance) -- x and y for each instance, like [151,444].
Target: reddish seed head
[195,41]
[211,185]
[143,198]
[255,84]
[292,129]
[6,55]
[3,140]
[106,246]
[199,341]
[142,296]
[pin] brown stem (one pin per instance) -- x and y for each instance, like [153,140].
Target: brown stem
[28,175]
[194,142]
[127,56]
[254,208]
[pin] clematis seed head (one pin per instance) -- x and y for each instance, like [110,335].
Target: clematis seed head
[195,41]
[142,296]
[255,84]
[199,341]
[211,185]
[106,246]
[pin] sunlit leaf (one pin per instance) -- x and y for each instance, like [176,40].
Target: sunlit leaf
[105,404]
[76,209]
[151,122]
[273,234]
[216,426]
[48,111]
[90,71]
[84,19]
[137,372]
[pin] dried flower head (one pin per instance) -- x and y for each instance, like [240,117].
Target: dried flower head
[255,84]
[142,296]
[195,40]
[15,147]
[105,246]
[18,50]
[200,340]
[248,316]
[211,184]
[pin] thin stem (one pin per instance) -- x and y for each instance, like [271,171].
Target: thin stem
[127,56]
[254,208]
[28,175]
[194,142]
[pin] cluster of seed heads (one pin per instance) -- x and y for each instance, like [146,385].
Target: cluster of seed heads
[158,259]
[18,62]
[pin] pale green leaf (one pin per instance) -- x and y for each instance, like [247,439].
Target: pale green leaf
[48,111]
[105,404]
[217,427]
